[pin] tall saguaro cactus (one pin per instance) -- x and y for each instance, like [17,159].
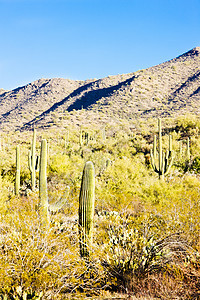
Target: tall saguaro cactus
[17,174]
[33,160]
[86,208]
[43,196]
[165,160]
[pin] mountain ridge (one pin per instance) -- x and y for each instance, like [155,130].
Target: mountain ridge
[167,89]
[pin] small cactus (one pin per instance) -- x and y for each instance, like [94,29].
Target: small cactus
[86,209]
[17,175]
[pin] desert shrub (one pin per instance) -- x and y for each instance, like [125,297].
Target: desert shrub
[47,262]
[188,125]
[120,184]
[146,231]
[195,165]
[137,249]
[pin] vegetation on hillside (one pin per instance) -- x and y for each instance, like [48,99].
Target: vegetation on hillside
[145,229]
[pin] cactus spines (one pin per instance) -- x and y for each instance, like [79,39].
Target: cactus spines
[43,197]
[165,160]
[17,174]
[33,160]
[86,209]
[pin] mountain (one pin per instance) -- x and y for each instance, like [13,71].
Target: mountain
[168,89]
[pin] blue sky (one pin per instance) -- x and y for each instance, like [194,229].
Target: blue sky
[81,39]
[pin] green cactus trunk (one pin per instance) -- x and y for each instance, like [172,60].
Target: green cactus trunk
[86,209]
[43,196]
[17,175]
[33,161]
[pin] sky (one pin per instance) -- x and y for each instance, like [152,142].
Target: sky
[84,39]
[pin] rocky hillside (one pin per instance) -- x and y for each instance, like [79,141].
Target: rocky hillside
[168,89]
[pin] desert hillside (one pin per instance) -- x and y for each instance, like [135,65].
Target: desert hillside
[168,89]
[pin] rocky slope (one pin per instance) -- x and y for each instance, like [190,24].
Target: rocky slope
[168,89]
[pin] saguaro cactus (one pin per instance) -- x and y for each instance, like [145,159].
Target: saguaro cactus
[188,149]
[165,160]
[43,196]
[33,160]
[44,207]
[17,174]
[86,208]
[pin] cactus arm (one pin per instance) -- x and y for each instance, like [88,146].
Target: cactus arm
[86,209]
[164,159]
[153,164]
[43,197]
[152,159]
[60,203]
[170,163]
